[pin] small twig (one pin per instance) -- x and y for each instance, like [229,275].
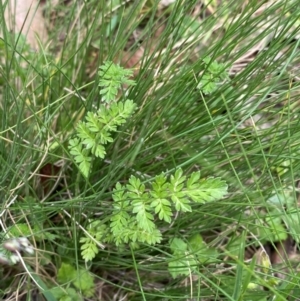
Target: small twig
[4,210]
[25,267]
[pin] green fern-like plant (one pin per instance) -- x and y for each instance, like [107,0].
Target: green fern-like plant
[137,207]
[89,248]
[96,131]
[214,74]
[112,77]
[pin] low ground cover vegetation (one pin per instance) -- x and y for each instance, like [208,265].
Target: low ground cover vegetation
[149,150]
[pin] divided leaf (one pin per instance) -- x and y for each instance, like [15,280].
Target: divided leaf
[207,190]
[81,156]
[119,221]
[92,122]
[145,220]
[97,129]
[214,72]
[207,84]
[181,202]
[176,182]
[163,209]
[112,76]
[178,196]
[136,207]
[89,248]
